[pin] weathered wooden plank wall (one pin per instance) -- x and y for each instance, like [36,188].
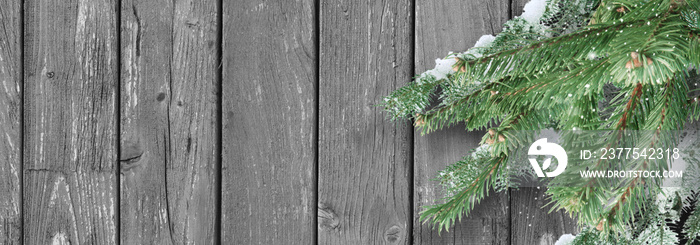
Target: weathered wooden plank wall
[269,125]
[169,122]
[70,139]
[173,122]
[364,161]
[10,121]
[443,26]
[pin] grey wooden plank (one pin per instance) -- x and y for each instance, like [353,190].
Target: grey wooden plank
[516,7]
[364,160]
[531,222]
[169,126]
[10,105]
[70,122]
[269,118]
[443,26]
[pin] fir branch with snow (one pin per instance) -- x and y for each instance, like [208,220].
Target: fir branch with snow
[550,68]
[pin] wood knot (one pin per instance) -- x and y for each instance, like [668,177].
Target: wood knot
[229,121]
[327,219]
[192,24]
[50,74]
[161,97]
[131,155]
[393,234]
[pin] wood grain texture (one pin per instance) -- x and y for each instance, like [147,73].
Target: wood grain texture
[169,122]
[516,7]
[531,222]
[364,159]
[443,26]
[10,106]
[269,119]
[70,122]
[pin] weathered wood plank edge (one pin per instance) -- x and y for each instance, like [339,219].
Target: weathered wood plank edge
[10,121]
[509,214]
[412,135]
[21,122]
[219,119]
[317,108]
[118,130]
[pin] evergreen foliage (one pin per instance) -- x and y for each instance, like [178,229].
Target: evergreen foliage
[558,72]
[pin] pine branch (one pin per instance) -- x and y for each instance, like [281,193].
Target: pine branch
[691,228]
[644,48]
[443,216]
[694,108]
[656,233]
[596,71]
[636,93]
[670,99]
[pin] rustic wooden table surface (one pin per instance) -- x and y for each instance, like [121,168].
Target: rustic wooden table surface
[235,122]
